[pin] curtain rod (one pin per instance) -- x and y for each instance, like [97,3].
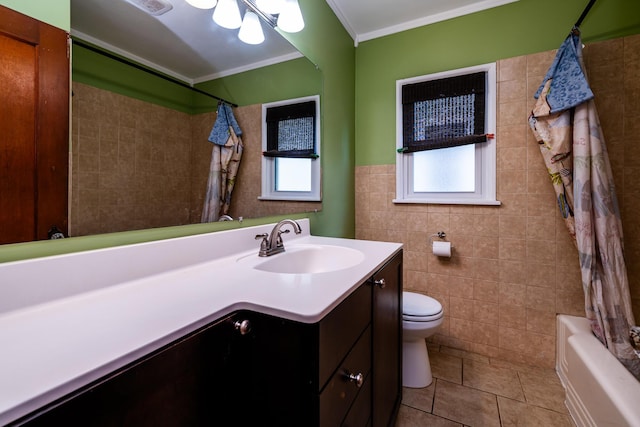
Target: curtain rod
[584,14]
[148,70]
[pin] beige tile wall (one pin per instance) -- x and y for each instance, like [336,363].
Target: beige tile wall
[514,266]
[137,165]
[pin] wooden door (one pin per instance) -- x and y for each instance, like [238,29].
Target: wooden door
[34,128]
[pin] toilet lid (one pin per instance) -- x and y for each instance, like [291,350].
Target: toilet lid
[420,308]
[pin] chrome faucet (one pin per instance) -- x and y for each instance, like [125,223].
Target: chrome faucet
[272,243]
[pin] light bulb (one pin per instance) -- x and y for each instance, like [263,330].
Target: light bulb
[272,7]
[227,14]
[251,30]
[290,19]
[203,4]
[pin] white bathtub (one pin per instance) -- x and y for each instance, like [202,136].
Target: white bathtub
[600,391]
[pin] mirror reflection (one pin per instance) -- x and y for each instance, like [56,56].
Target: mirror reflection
[140,151]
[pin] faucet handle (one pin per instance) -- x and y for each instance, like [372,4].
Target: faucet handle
[264,245]
[279,242]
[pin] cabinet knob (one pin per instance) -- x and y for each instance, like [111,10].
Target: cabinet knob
[358,378]
[380,283]
[244,326]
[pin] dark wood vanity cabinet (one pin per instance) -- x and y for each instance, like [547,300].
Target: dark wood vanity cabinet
[191,382]
[252,369]
[386,352]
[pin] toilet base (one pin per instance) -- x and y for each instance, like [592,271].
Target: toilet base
[416,369]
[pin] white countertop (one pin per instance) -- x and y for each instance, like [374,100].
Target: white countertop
[53,347]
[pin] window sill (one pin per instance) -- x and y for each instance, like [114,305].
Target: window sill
[448,202]
[291,198]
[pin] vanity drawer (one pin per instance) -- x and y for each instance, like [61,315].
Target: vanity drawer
[360,413]
[340,329]
[340,392]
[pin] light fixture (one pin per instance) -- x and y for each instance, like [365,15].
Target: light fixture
[285,14]
[290,19]
[272,7]
[227,14]
[251,30]
[203,4]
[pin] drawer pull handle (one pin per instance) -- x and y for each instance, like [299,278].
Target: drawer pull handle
[380,283]
[355,378]
[244,326]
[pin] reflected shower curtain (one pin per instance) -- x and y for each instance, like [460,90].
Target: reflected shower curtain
[225,161]
[230,156]
[566,125]
[211,208]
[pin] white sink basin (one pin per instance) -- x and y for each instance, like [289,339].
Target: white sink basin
[306,259]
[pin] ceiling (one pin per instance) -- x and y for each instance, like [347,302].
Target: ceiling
[185,43]
[370,19]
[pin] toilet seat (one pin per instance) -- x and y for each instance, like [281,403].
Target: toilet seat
[420,308]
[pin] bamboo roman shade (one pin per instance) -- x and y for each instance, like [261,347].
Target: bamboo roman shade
[444,113]
[291,131]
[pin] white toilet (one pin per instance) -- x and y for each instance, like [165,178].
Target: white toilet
[421,318]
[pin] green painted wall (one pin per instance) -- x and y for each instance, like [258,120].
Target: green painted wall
[97,70]
[286,80]
[53,12]
[22,251]
[520,28]
[327,44]
[290,79]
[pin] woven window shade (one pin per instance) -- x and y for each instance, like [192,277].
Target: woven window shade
[443,113]
[291,131]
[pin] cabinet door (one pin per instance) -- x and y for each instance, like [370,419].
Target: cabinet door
[387,342]
[283,366]
[198,380]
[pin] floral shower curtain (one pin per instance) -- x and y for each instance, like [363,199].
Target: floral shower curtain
[566,125]
[226,154]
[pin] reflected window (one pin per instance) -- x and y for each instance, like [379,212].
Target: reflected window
[293,174]
[291,147]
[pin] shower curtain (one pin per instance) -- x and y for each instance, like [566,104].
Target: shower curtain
[566,125]
[226,154]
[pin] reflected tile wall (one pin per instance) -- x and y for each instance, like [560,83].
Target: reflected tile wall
[137,165]
[514,266]
[130,163]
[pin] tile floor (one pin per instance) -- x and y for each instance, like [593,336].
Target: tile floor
[473,390]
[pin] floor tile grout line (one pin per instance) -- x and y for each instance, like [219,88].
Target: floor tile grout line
[459,422]
[526,402]
[524,393]
[435,389]
[496,394]
[521,373]
[440,416]
[535,406]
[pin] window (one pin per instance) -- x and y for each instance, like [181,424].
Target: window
[445,137]
[290,147]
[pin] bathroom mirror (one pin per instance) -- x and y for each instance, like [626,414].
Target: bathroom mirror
[138,164]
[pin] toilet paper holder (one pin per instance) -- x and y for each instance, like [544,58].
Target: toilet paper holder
[440,235]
